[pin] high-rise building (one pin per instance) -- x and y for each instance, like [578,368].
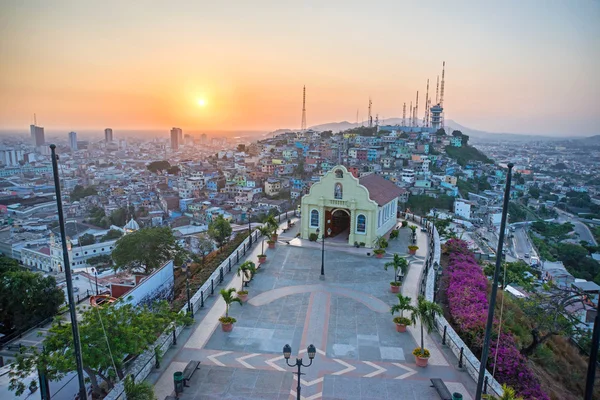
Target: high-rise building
[37,135]
[108,135]
[175,134]
[73,141]
[203,138]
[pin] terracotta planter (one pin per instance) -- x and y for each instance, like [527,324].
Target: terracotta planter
[274,237]
[272,245]
[395,289]
[421,361]
[401,328]
[227,327]
[379,255]
[243,297]
[412,252]
[261,260]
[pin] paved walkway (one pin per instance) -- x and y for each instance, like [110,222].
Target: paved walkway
[346,316]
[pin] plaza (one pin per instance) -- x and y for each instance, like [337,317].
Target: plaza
[346,316]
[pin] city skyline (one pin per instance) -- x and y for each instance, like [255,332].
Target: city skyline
[510,67]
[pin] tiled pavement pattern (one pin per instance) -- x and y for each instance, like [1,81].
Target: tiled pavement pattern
[346,316]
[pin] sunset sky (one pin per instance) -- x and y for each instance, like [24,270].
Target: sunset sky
[511,66]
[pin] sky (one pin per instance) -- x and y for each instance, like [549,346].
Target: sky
[518,66]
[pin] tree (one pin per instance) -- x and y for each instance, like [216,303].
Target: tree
[271,222]
[220,230]
[205,246]
[174,170]
[246,270]
[265,232]
[397,263]
[508,393]
[111,235]
[425,311]
[534,192]
[156,166]
[138,391]
[147,250]
[229,299]
[241,148]
[110,334]
[86,239]
[456,133]
[98,217]
[118,217]
[26,298]
[101,259]
[518,273]
[403,305]
[79,192]
[549,314]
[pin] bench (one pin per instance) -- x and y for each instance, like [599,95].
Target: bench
[189,370]
[441,388]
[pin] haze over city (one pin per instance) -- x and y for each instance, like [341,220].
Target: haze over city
[512,66]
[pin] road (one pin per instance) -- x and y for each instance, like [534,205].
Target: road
[580,228]
[522,244]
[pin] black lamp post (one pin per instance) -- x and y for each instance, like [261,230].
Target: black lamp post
[323,251]
[95,271]
[249,229]
[287,352]
[186,268]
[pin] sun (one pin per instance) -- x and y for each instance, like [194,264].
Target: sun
[201,102]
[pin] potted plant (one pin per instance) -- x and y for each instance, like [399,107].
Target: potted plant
[246,270]
[425,312]
[243,295]
[412,249]
[404,224]
[271,222]
[228,297]
[398,263]
[265,232]
[508,393]
[381,244]
[394,234]
[403,305]
[271,243]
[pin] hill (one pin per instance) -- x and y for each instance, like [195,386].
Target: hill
[464,155]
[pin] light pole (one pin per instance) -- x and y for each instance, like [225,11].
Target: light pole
[95,271]
[249,229]
[186,268]
[287,352]
[323,251]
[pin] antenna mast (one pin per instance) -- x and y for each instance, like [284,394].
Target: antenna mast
[442,91]
[437,89]
[404,115]
[411,115]
[34,120]
[426,116]
[369,117]
[303,125]
[416,110]
[357,117]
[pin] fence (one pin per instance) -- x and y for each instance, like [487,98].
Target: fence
[143,364]
[427,287]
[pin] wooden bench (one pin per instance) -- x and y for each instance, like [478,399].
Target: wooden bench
[189,370]
[441,388]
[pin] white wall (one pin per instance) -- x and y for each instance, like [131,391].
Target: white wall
[157,286]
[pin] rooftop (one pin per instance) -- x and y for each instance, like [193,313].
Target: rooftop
[380,190]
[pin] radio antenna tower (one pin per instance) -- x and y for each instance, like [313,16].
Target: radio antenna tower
[357,117]
[410,119]
[416,110]
[437,89]
[442,91]
[369,117]
[303,125]
[404,115]
[426,116]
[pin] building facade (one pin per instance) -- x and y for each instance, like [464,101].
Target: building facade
[357,209]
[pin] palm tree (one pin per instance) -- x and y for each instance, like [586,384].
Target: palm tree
[246,270]
[426,311]
[403,305]
[229,299]
[397,263]
[508,393]
[271,222]
[138,391]
[265,231]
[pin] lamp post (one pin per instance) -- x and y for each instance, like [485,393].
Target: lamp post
[95,271]
[249,229]
[323,251]
[186,269]
[287,352]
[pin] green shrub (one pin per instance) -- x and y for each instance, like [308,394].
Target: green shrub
[313,237]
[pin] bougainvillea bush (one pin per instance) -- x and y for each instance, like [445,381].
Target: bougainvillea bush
[468,304]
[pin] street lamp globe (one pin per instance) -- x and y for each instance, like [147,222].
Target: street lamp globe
[287,351]
[311,350]
[329,232]
[318,231]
